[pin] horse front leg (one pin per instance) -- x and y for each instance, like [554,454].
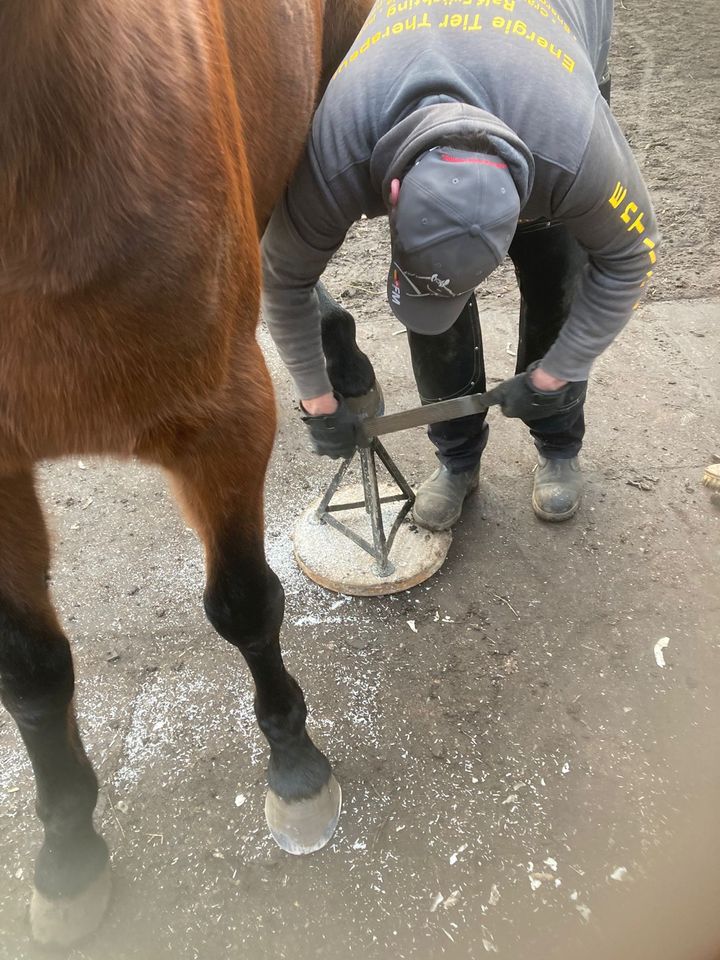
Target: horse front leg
[244,601]
[72,878]
[218,474]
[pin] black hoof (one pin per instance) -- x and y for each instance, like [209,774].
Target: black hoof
[370,404]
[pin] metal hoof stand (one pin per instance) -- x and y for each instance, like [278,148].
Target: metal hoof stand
[382,543]
[332,544]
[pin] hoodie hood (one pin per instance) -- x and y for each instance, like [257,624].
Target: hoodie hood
[452,125]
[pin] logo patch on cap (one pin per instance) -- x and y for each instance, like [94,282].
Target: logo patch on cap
[395,289]
[422,286]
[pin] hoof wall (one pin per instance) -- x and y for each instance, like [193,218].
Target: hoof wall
[306,825]
[69,920]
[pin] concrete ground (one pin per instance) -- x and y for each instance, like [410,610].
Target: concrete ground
[504,735]
[520,774]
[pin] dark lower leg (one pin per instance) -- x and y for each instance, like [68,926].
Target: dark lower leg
[548,263]
[244,601]
[219,480]
[349,369]
[72,854]
[36,687]
[451,365]
[561,437]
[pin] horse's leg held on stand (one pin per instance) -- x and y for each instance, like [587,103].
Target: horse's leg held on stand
[72,877]
[350,371]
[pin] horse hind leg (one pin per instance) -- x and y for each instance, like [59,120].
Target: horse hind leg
[218,477]
[72,879]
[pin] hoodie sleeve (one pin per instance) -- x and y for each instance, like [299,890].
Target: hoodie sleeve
[305,230]
[608,211]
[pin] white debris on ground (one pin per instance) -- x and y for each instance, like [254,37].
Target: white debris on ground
[14,769]
[452,900]
[488,941]
[454,856]
[167,702]
[658,650]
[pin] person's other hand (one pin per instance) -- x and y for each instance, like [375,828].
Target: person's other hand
[545,381]
[524,396]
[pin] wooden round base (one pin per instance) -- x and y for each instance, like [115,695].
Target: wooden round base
[332,560]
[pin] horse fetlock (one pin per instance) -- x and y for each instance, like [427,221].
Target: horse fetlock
[350,371]
[66,808]
[284,729]
[298,771]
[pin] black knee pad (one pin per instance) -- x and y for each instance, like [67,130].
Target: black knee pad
[450,364]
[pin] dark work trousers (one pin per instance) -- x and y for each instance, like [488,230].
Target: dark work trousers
[548,262]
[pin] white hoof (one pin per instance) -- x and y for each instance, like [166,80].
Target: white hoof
[69,920]
[306,825]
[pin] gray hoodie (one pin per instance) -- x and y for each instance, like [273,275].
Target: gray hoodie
[421,73]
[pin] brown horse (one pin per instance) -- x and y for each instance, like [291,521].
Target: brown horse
[142,148]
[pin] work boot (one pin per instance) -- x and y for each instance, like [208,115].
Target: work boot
[439,500]
[556,491]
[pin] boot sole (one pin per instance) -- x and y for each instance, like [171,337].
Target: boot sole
[436,527]
[553,517]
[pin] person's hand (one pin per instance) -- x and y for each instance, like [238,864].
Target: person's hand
[545,381]
[334,429]
[320,406]
[527,397]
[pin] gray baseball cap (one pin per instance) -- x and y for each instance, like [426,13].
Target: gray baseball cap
[455,218]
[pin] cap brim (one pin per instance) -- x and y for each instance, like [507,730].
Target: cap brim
[430,314]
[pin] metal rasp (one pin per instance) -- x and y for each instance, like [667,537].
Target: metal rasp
[429,413]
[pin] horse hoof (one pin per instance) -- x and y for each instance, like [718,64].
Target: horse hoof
[68,920]
[370,404]
[304,826]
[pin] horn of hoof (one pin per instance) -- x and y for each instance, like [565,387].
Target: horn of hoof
[304,826]
[69,920]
